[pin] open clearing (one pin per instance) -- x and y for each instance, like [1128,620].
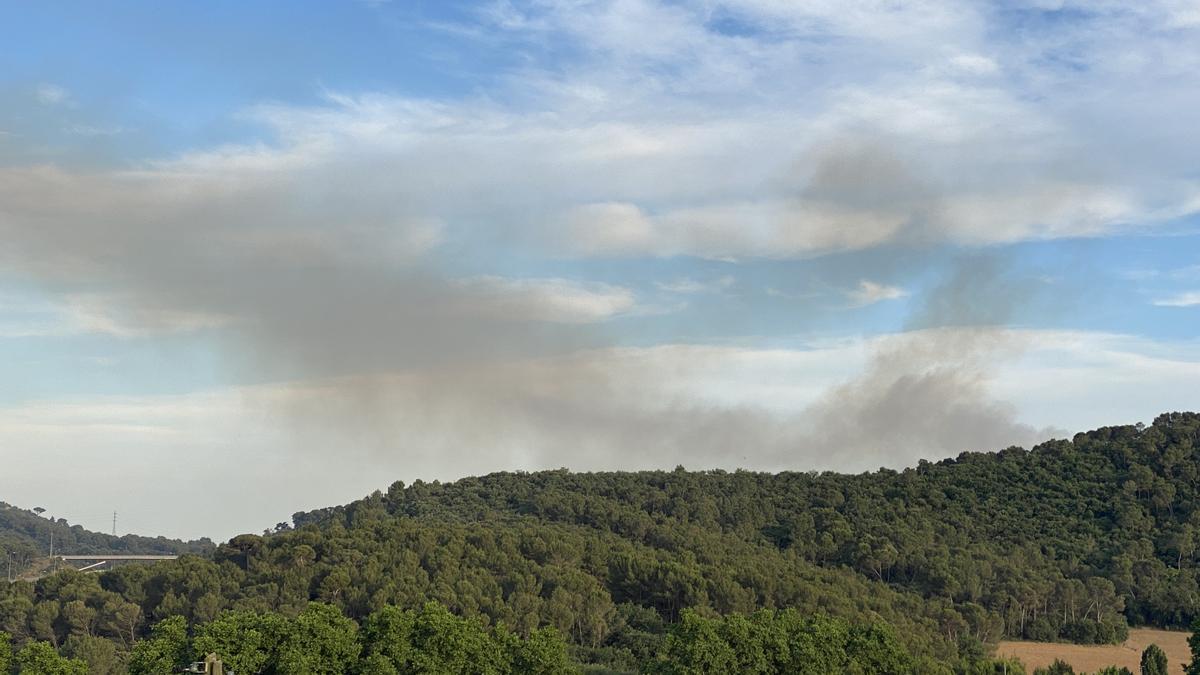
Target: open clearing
[1090,658]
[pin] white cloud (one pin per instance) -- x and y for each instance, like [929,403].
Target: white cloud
[666,137]
[125,318]
[51,94]
[554,300]
[108,314]
[974,64]
[1188,299]
[609,228]
[870,292]
[92,130]
[774,292]
[727,231]
[688,286]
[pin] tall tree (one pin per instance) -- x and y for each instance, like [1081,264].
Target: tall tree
[1193,668]
[166,650]
[5,652]
[1154,661]
[40,658]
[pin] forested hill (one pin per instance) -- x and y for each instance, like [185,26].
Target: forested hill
[26,536]
[1057,542]
[1072,540]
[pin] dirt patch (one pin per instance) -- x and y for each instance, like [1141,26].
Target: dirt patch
[1090,658]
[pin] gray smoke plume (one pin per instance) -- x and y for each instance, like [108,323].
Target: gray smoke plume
[924,392]
[305,288]
[395,361]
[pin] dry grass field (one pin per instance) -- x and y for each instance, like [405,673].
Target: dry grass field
[1090,658]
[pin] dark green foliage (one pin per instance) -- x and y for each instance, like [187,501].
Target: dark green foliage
[1193,668]
[101,656]
[248,642]
[434,640]
[543,653]
[40,658]
[696,645]
[320,640]
[165,650]
[779,642]
[1154,661]
[323,640]
[1069,541]
[1059,667]
[5,652]
[973,660]
[1000,666]
[1114,670]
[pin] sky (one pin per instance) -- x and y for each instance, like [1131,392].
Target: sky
[257,258]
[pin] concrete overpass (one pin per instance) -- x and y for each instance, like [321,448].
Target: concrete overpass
[95,560]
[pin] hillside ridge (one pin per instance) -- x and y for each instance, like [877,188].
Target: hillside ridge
[1073,540]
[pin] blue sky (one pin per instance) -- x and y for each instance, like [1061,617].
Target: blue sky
[300,250]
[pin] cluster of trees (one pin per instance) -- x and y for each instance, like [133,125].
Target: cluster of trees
[779,642]
[320,640]
[1072,540]
[524,577]
[37,658]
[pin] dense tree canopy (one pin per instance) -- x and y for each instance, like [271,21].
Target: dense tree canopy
[779,642]
[1072,540]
